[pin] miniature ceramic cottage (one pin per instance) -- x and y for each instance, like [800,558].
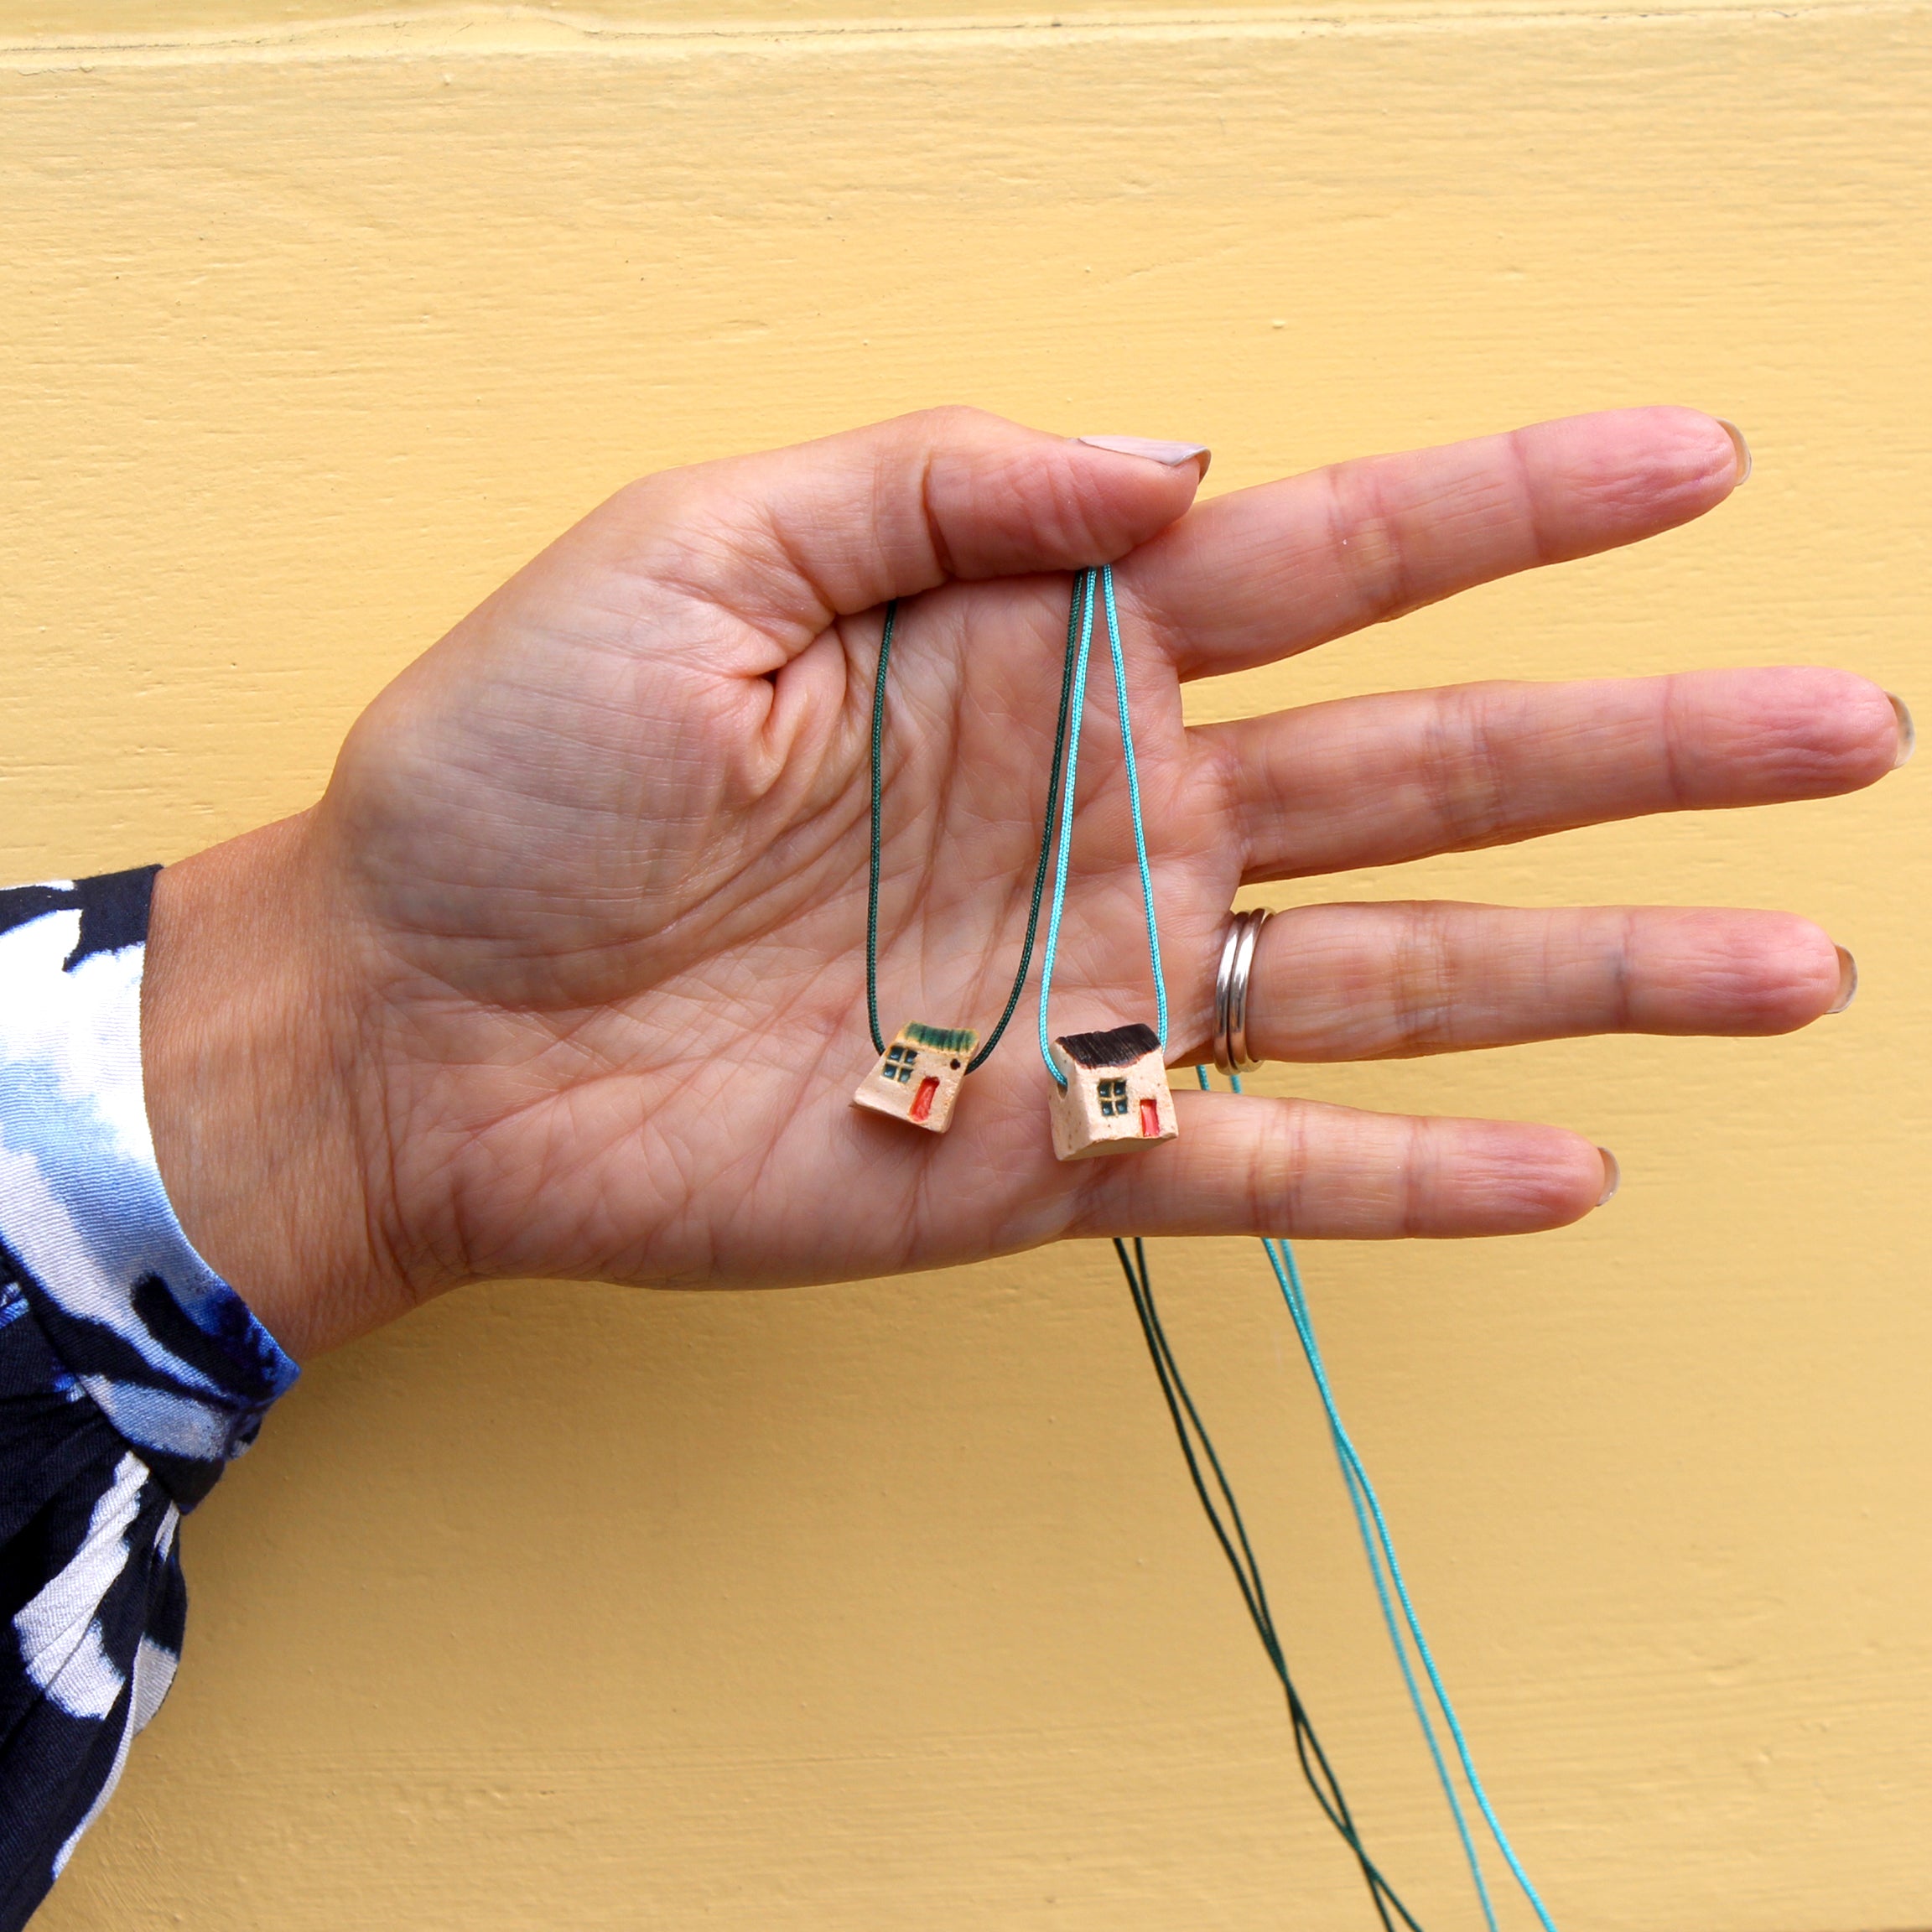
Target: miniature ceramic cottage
[1116,1095]
[917,1077]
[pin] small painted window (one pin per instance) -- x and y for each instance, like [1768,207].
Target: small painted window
[899,1061]
[1113,1098]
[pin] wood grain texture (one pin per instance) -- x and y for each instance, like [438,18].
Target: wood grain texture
[887,1605]
[226,29]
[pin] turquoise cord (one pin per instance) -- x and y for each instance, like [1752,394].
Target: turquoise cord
[1364,1491]
[1134,805]
[1385,1569]
[1288,1278]
[1416,1700]
[1050,952]
[1083,602]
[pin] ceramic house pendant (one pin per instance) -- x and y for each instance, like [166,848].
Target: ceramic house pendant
[1116,1095]
[917,1077]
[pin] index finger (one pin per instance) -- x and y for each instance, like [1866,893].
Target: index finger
[1262,573]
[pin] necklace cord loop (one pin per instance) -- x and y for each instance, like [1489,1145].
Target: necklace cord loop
[1060,744]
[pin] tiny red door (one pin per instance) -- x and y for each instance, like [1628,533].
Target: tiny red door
[922,1100]
[1149,1120]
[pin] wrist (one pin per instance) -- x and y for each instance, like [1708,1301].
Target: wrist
[251,1057]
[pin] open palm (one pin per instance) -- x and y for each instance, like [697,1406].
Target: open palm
[593,870]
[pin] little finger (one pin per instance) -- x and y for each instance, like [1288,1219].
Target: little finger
[1246,1163]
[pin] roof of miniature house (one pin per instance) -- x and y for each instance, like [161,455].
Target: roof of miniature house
[1118,1046]
[943,1039]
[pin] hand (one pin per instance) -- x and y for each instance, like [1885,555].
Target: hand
[564,975]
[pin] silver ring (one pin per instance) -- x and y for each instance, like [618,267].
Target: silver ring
[1230,991]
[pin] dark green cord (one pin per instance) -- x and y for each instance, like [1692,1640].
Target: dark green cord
[985,1053]
[872,883]
[1181,1408]
[1315,1769]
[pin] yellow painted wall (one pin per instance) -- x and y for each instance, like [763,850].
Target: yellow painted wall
[886,1606]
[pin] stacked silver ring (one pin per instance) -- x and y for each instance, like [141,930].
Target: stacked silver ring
[1230,991]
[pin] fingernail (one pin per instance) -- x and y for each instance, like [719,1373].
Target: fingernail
[1847,981]
[1741,446]
[1908,732]
[1172,455]
[1613,1175]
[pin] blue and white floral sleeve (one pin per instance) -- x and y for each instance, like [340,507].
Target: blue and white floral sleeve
[130,1373]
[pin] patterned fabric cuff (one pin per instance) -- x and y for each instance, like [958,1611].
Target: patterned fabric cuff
[167,1349]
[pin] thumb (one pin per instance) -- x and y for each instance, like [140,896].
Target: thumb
[797,536]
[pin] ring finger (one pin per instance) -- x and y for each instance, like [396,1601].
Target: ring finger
[1393,980]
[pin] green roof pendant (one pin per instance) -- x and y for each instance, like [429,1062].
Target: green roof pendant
[919,1073]
[1109,1091]
[918,1077]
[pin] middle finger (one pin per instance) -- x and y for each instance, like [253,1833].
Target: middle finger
[1372,781]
